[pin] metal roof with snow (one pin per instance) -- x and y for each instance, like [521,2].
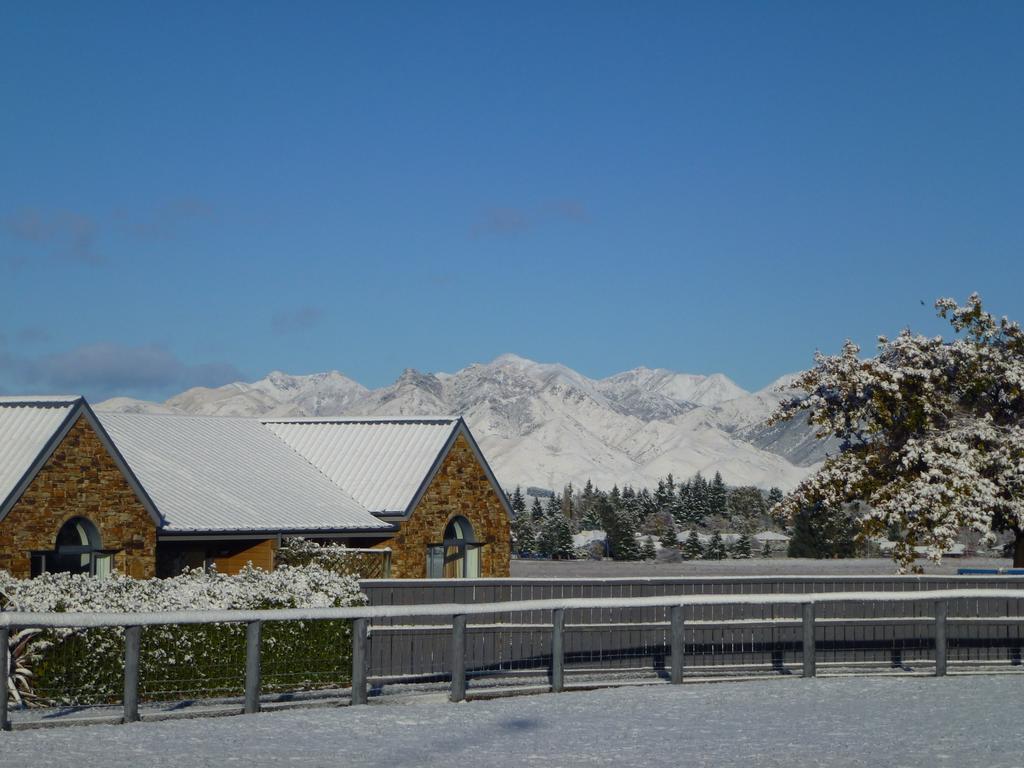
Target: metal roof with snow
[31,428]
[28,427]
[218,473]
[386,464]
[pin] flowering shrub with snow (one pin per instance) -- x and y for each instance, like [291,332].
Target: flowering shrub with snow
[362,564]
[64,666]
[931,430]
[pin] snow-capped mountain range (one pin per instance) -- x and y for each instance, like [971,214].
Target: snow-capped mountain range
[545,424]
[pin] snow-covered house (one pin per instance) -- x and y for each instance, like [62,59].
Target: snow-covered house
[776,542]
[151,494]
[887,547]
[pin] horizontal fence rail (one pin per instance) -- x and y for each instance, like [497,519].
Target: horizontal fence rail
[676,636]
[635,638]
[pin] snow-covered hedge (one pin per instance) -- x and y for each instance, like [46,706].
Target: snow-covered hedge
[361,563]
[63,666]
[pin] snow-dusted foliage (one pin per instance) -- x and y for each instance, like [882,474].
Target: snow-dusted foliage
[84,666]
[931,431]
[359,563]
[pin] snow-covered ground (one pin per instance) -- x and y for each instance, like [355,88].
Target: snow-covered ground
[954,721]
[783,566]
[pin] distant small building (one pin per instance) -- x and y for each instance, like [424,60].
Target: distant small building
[887,547]
[152,494]
[774,539]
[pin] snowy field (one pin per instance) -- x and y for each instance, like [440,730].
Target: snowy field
[565,569]
[954,721]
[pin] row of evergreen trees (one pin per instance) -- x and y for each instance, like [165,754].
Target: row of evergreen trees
[546,529]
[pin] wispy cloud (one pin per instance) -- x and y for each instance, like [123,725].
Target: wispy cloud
[76,236]
[33,334]
[64,234]
[296,320]
[166,221]
[105,369]
[502,221]
[512,221]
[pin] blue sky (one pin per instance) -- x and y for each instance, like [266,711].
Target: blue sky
[196,192]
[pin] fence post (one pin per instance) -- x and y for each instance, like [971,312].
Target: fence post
[359,659]
[458,692]
[557,650]
[808,644]
[940,638]
[5,644]
[253,632]
[677,644]
[132,642]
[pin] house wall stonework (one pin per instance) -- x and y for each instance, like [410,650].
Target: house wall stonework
[460,487]
[80,479]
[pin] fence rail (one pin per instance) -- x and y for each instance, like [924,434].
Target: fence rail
[792,629]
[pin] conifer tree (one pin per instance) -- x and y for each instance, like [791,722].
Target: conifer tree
[556,537]
[716,548]
[554,505]
[568,505]
[517,502]
[742,548]
[692,548]
[683,512]
[525,536]
[667,536]
[585,507]
[618,524]
[647,550]
[717,496]
[536,510]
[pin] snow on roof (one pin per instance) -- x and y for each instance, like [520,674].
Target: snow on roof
[215,473]
[381,462]
[27,426]
[583,538]
[886,546]
[763,536]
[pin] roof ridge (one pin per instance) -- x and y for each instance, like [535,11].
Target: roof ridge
[40,399]
[359,420]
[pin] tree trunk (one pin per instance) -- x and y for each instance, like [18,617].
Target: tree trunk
[1018,551]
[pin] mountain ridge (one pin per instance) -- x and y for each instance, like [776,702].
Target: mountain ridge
[546,424]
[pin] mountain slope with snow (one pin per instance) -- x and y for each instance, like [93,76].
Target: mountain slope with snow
[545,424]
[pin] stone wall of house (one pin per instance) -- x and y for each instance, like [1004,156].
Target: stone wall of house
[80,479]
[461,488]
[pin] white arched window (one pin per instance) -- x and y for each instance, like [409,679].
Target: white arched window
[458,555]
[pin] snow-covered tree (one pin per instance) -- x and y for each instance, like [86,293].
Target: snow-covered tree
[692,548]
[742,548]
[746,505]
[647,550]
[555,539]
[931,432]
[715,549]
[717,496]
[536,510]
[517,502]
[618,524]
[524,534]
